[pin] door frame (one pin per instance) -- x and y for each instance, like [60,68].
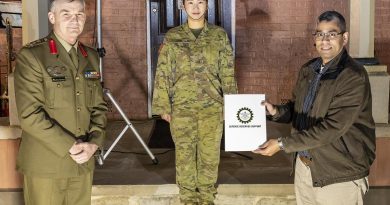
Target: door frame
[149,49]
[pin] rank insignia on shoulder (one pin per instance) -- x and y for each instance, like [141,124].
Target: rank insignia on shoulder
[36,42]
[82,50]
[92,75]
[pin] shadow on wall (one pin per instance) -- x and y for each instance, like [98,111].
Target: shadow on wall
[126,79]
[274,41]
[256,48]
[121,73]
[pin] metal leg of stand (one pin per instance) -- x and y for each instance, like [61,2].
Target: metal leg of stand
[107,92]
[115,142]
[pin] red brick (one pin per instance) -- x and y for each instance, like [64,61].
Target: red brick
[382,32]
[272,42]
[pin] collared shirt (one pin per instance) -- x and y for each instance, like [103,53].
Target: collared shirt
[65,44]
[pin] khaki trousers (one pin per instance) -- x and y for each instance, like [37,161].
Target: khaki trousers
[48,191]
[345,193]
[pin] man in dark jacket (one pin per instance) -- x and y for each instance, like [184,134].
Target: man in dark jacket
[333,132]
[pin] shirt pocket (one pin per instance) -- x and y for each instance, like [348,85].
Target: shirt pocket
[181,58]
[211,52]
[90,92]
[58,94]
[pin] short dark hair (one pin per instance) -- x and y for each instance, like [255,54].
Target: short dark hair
[185,1]
[334,15]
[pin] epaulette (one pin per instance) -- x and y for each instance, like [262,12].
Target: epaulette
[82,49]
[88,47]
[36,43]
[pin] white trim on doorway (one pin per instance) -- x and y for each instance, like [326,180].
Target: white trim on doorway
[233,7]
[149,59]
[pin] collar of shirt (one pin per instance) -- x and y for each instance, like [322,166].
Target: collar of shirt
[65,44]
[187,29]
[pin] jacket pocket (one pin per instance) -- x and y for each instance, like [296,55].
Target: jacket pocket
[58,94]
[214,88]
[90,92]
[211,53]
[344,147]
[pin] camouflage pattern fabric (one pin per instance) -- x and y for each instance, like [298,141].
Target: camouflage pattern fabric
[193,71]
[192,76]
[197,139]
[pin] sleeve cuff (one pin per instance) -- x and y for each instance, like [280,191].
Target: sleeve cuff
[97,138]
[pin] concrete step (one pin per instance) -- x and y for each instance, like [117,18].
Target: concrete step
[228,194]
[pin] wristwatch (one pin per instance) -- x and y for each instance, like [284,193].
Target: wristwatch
[280,143]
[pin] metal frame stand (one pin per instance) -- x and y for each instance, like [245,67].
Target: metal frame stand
[108,93]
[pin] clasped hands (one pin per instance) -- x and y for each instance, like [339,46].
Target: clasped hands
[82,152]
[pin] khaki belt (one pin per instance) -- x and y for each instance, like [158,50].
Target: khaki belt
[305,160]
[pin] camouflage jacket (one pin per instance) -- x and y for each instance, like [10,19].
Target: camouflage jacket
[193,71]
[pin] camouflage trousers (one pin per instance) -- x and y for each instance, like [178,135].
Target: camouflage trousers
[197,140]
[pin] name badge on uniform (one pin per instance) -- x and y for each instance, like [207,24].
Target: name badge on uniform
[91,75]
[58,79]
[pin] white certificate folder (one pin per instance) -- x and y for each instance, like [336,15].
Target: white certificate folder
[245,122]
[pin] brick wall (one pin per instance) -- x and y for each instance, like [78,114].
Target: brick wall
[273,40]
[125,67]
[382,32]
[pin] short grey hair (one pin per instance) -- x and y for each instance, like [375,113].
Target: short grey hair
[52,6]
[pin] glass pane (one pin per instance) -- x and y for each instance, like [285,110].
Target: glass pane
[170,13]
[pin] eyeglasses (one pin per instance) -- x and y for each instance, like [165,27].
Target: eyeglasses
[330,35]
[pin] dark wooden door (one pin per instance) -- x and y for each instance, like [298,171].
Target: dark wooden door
[166,14]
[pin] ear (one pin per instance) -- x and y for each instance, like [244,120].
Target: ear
[51,17]
[345,38]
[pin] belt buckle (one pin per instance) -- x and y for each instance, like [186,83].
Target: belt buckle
[305,160]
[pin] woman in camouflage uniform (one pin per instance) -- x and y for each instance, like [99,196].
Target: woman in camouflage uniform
[195,69]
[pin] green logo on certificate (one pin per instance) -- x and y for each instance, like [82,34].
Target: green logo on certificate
[245,115]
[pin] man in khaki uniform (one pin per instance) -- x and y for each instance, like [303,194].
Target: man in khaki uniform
[61,109]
